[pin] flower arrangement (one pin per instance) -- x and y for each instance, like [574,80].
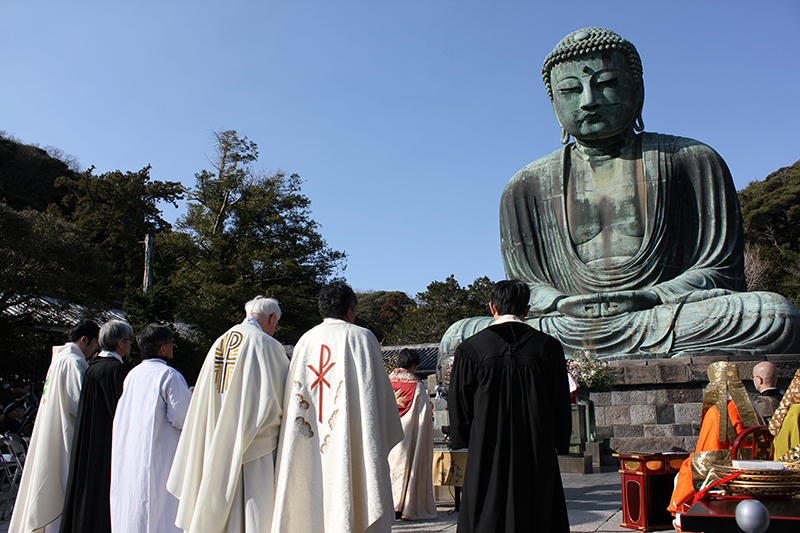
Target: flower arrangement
[589,371]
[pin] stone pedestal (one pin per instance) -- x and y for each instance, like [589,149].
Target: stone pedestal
[656,404]
[575,464]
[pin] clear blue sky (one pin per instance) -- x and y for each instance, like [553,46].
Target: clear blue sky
[404,118]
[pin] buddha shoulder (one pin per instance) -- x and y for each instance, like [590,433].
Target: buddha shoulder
[537,174]
[680,146]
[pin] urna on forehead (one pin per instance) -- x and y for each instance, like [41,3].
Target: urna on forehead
[588,41]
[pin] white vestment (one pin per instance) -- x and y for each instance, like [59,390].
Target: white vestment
[223,468]
[411,461]
[147,426]
[341,420]
[40,499]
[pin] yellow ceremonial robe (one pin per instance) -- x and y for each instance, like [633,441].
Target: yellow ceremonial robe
[789,435]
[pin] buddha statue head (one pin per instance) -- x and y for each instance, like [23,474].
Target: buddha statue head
[594,80]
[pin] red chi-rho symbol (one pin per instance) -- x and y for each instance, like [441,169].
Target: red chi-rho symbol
[323,369]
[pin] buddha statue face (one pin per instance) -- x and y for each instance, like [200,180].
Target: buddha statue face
[595,97]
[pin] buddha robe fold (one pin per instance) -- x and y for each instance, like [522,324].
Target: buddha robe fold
[691,256]
[411,460]
[341,422]
[223,468]
[40,499]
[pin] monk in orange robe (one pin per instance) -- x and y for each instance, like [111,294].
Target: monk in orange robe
[725,394]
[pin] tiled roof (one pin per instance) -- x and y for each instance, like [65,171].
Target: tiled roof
[428,355]
[62,315]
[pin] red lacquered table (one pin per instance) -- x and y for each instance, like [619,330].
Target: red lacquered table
[647,482]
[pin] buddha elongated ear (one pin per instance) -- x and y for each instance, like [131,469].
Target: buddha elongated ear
[638,123]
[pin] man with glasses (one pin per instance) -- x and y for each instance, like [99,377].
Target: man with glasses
[86,506]
[765,379]
[147,426]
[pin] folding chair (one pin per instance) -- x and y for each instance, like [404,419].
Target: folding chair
[12,465]
[26,429]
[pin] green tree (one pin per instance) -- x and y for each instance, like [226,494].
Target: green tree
[43,255]
[45,265]
[771,213]
[114,211]
[442,304]
[28,174]
[244,234]
[380,311]
[479,293]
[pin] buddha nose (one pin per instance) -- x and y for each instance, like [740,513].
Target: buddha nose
[589,97]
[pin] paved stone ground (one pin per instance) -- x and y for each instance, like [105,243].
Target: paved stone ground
[594,502]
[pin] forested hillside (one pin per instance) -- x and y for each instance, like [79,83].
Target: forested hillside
[78,237]
[771,212]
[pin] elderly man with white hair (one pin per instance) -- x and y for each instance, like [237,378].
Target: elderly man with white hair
[86,504]
[224,465]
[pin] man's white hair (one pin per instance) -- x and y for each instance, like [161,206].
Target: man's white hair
[260,307]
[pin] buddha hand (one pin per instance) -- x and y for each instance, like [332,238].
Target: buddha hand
[607,304]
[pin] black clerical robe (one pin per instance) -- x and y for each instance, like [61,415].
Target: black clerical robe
[86,506]
[509,404]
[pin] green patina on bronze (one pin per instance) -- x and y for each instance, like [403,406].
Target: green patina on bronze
[631,242]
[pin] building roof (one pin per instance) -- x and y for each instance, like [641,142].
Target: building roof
[61,315]
[53,314]
[428,356]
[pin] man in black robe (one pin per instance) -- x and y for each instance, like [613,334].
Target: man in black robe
[509,404]
[86,505]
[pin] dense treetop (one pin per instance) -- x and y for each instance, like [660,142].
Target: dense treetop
[78,237]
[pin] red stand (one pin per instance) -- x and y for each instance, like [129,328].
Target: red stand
[647,483]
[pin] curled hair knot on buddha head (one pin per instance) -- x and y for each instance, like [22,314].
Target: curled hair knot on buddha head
[589,41]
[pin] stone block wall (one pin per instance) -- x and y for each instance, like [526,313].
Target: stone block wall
[656,404]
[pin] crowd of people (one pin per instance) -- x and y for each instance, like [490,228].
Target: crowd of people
[324,441]
[18,406]
[260,443]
